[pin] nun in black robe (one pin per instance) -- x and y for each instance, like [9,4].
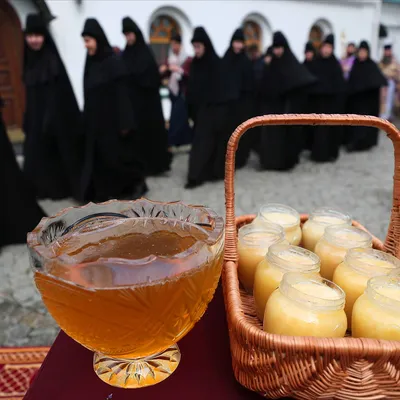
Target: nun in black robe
[19,212]
[144,83]
[52,120]
[209,98]
[309,54]
[114,167]
[284,90]
[326,97]
[239,71]
[364,84]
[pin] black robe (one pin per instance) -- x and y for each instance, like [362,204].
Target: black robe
[19,212]
[144,83]
[284,90]
[364,84]
[52,125]
[326,97]
[208,97]
[113,165]
[240,72]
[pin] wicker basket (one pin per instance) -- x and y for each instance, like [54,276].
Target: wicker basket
[306,367]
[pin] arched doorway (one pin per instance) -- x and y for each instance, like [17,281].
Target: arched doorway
[161,30]
[11,49]
[252,34]
[318,32]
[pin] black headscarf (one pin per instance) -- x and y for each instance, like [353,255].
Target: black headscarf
[285,73]
[207,83]
[238,68]
[43,65]
[365,75]
[101,67]
[330,39]
[309,47]
[269,51]
[138,57]
[328,71]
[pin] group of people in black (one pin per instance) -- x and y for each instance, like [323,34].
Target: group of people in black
[120,138]
[223,93]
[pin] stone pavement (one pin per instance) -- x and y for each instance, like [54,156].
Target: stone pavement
[360,184]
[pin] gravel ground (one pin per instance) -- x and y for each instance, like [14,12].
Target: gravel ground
[360,184]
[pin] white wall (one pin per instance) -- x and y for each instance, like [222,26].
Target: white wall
[356,19]
[390,17]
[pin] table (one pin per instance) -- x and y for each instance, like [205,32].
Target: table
[205,371]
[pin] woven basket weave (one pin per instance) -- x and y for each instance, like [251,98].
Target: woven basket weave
[306,367]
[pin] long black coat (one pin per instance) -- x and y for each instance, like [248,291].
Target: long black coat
[240,73]
[144,83]
[113,167]
[19,212]
[364,85]
[327,96]
[209,100]
[284,89]
[52,125]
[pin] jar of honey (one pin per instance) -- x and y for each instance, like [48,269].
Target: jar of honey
[319,219]
[287,217]
[253,245]
[358,267]
[335,242]
[281,258]
[304,306]
[376,313]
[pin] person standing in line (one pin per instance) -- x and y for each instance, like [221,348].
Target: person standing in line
[144,83]
[209,96]
[348,60]
[309,54]
[390,68]
[284,89]
[239,70]
[326,97]
[19,211]
[364,85]
[52,119]
[176,69]
[114,166]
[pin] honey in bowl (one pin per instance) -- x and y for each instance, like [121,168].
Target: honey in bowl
[130,290]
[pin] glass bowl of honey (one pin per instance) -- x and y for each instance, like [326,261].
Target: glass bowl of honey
[128,280]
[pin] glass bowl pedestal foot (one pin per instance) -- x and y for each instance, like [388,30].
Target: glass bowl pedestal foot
[137,372]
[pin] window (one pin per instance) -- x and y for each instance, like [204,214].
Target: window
[252,34]
[161,30]
[316,36]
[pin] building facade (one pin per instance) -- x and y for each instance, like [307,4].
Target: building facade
[300,20]
[390,18]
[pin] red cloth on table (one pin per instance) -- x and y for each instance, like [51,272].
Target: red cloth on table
[204,373]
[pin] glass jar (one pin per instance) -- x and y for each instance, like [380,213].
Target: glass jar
[253,245]
[335,242]
[358,267]
[281,258]
[287,217]
[319,219]
[304,306]
[376,313]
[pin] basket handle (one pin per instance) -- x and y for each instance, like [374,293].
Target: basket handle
[392,241]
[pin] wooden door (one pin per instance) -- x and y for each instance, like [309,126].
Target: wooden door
[11,45]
